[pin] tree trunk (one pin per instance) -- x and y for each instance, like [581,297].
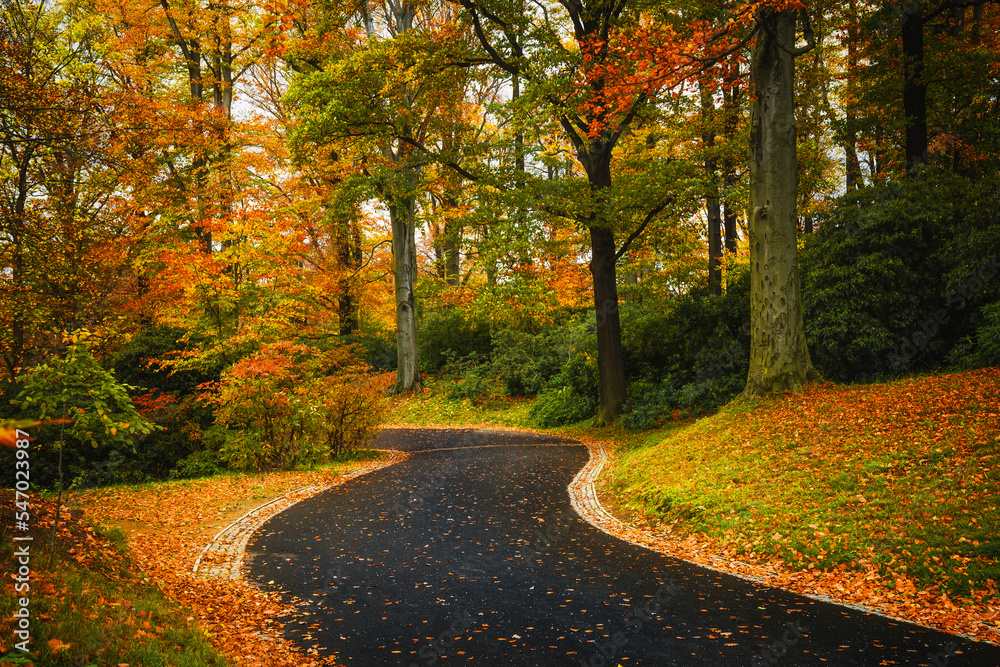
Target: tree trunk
[452,257]
[712,208]
[779,358]
[914,91]
[347,308]
[404,269]
[852,165]
[452,245]
[729,226]
[731,110]
[610,365]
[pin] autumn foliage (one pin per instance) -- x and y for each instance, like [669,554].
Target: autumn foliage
[882,495]
[289,405]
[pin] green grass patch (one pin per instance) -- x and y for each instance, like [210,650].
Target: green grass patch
[434,408]
[898,476]
[100,613]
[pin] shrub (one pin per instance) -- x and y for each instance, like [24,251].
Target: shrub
[560,405]
[882,277]
[138,362]
[350,412]
[524,362]
[988,337]
[573,393]
[448,334]
[290,404]
[647,404]
[203,463]
[378,345]
[101,427]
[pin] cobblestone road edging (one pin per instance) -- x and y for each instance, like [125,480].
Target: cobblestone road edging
[222,558]
[584,499]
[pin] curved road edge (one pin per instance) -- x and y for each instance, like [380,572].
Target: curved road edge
[584,499]
[222,557]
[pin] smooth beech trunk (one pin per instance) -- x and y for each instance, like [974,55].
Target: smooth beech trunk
[404,269]
[779,358]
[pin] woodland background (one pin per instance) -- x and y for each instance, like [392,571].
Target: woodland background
[228,229]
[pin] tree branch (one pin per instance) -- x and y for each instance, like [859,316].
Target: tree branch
[641,228]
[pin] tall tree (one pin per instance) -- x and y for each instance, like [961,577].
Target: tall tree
[67,237]
[713,209]
[388,94]
[779,357]
[596,92]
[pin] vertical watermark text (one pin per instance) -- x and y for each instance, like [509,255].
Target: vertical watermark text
[21,563]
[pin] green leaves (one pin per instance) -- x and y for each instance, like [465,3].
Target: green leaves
[97,406]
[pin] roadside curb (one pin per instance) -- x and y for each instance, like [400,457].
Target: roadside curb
[584,499]
[222,557]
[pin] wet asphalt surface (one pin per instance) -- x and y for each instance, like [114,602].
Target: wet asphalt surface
[472,554]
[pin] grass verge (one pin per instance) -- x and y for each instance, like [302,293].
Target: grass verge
[89,605]
[894,482]
[432,407]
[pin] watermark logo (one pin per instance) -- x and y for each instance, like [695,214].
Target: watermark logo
[21,562]
[779,648]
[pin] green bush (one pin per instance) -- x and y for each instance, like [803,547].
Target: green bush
[560,405]
[447,334]
[377,345]
[170,402]
[289,405]
[99,427]
[204,463]
[691,354]
[648,403]
[987,352]
[572,394]
[136,363]
[889,280]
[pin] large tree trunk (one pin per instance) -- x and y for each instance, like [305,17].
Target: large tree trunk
[596,160]
[779,359]
[402,216]
[610,366]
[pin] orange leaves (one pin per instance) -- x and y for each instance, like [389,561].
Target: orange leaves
[168,530]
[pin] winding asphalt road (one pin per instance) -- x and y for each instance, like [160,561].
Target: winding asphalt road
[469,552]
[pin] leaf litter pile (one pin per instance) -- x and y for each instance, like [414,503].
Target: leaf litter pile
[882,495]
[169,524]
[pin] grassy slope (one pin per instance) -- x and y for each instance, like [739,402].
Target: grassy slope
[898,480]
[92,606]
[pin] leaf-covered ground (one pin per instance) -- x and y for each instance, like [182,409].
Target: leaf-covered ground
[166,526]
[89,605]
[883,495]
